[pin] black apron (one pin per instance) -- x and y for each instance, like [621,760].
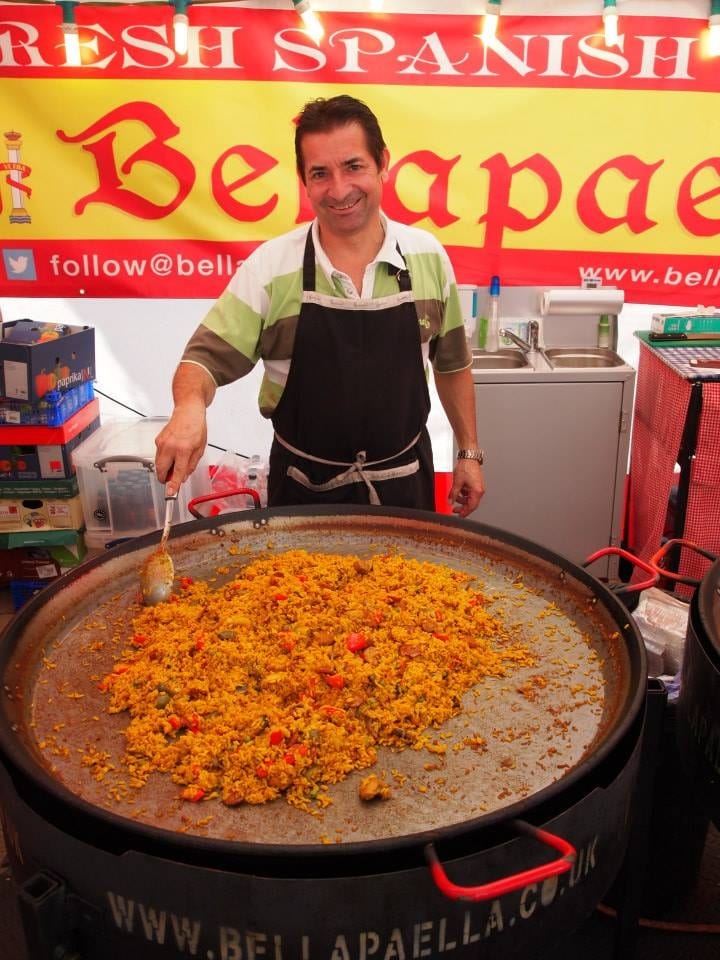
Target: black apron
[350,424]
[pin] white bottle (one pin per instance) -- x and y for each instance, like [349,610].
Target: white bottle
[492,339]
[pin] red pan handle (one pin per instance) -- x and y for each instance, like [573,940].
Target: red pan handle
[657,560]
[630,587]
[497,888]
[232,492]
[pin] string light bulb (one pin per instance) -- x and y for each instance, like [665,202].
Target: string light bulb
[313,27]
[490,20]
[714,29]
[180,27]
[610,23]
[71,40]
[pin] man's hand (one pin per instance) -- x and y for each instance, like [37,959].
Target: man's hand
[468,487]
[180,445]
[182,441]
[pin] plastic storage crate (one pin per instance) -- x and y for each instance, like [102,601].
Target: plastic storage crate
[23,590]
[52,411]
[121,495]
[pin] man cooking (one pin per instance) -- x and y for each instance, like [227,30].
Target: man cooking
[345,315]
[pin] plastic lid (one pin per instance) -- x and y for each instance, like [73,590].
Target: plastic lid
[494,286]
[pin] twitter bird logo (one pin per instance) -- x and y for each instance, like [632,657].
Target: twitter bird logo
[19,265]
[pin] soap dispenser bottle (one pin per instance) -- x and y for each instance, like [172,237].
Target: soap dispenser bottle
[492,339]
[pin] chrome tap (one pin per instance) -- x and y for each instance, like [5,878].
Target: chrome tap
[531,345]
[534,335]
[518,341]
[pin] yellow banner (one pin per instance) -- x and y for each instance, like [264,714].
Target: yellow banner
[539,182]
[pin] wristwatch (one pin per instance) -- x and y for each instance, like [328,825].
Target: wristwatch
[478,455]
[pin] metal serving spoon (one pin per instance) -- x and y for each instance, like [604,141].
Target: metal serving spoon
[158,572]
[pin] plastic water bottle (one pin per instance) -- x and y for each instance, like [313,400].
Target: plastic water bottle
[256,477]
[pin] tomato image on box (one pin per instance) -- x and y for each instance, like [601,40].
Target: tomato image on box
[36,358]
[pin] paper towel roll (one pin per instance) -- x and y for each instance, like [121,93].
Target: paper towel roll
[576,300]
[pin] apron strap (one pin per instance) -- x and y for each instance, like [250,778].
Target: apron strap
[402,275]
[356,472]
[309,263]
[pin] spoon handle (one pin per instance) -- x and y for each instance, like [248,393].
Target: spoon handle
[169,507]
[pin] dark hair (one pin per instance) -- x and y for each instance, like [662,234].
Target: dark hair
[323,115]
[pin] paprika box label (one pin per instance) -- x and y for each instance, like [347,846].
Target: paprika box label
[37,358]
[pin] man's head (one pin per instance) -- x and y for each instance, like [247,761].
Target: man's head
[343,162]
[322,116]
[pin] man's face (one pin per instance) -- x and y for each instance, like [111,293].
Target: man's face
[343,182]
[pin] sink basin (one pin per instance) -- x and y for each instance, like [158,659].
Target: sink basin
[583,357]
[504,359]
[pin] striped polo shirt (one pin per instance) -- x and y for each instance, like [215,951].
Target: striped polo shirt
[256,316]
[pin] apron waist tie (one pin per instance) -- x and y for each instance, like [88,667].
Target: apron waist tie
[357,471]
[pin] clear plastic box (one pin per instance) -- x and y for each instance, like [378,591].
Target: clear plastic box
[121,495]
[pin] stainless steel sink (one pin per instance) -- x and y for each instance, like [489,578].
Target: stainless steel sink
[583,357]
[503,359]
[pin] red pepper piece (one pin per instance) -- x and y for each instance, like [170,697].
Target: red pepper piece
[335,680]
[355,642]
[193,794]
[139,640]
[276,737]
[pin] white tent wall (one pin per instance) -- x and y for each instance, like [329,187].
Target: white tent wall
[138,342]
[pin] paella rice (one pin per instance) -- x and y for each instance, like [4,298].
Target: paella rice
[289,677]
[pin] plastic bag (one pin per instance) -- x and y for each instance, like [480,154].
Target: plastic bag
[662,620]
[231,472]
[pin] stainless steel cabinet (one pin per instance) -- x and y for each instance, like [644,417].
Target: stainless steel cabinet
[556,458]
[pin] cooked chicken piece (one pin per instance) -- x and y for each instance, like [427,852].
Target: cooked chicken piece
[373,788]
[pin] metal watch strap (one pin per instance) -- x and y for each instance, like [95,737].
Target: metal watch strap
[478,455]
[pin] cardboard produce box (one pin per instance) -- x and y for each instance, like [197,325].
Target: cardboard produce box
[66,547]
[39,489]
[43,461]
[694,324]
[28,563]
[37,358]
[35,514]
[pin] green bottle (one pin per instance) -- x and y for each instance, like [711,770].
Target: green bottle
[481,331]
[603,338]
